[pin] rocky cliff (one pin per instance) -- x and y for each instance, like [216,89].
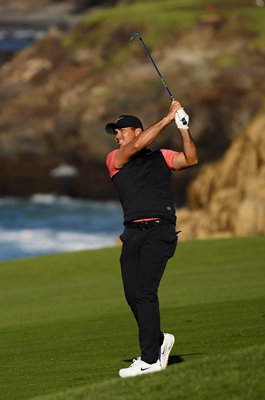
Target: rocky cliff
[228,197]
[57,96]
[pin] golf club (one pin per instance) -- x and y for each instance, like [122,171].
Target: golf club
[157,70]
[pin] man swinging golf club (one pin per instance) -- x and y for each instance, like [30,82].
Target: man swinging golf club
[142,179]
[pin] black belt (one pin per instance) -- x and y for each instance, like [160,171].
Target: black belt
[147,224]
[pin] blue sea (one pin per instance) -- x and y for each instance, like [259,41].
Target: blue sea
[12,41]
[46,224]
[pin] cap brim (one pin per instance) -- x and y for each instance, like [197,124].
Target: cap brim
[133,122]
[110,128]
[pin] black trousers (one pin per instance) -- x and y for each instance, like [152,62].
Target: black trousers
[143,259]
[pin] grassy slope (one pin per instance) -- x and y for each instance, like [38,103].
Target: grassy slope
[162,24]
[111,28]
[62,317]
[234,376]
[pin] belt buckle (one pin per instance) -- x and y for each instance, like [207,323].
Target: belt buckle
[144,225]
[150,224]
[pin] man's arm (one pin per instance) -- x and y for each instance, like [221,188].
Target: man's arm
[188,157]
[146,137]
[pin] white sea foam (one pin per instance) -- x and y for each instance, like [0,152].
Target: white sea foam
[44,241]
[43,198]
[46,224]
[4,201]
[52,199]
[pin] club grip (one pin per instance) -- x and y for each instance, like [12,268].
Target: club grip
[182,116]
[183,120]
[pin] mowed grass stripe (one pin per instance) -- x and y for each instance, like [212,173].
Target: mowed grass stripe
[64,322]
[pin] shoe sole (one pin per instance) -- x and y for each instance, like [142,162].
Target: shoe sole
[168,350]
[148,371]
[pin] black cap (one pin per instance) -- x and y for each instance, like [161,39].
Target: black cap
[124,121]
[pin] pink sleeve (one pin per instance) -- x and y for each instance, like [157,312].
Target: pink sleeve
[110,163]
[169,157]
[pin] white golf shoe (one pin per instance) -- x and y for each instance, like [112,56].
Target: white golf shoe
[165,349]
[139,367]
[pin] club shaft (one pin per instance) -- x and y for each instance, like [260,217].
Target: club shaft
[157,70]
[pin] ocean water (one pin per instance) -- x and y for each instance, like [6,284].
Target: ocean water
[46,224]
[13,41]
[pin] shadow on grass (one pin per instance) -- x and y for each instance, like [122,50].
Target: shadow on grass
[174,359]
[177,359]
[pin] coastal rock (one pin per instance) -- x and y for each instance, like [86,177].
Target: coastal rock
[57,96]
[34,68]
[228,197]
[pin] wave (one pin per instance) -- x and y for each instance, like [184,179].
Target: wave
[50,198]
[29,242]
[47,223]
[54,199]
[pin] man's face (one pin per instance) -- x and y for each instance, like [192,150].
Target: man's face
[124,136]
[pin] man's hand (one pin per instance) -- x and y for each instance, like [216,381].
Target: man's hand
[174,107]
[177,112]
[179,116]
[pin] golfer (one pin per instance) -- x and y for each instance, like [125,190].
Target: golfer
[142,179]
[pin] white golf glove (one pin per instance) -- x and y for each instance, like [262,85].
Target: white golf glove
[180,118]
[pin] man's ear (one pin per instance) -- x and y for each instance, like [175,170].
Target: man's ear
[138,131]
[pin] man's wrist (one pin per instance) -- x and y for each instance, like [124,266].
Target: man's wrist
[184,130]
[166,120]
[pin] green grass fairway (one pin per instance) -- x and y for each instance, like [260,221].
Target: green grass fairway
[65,329]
